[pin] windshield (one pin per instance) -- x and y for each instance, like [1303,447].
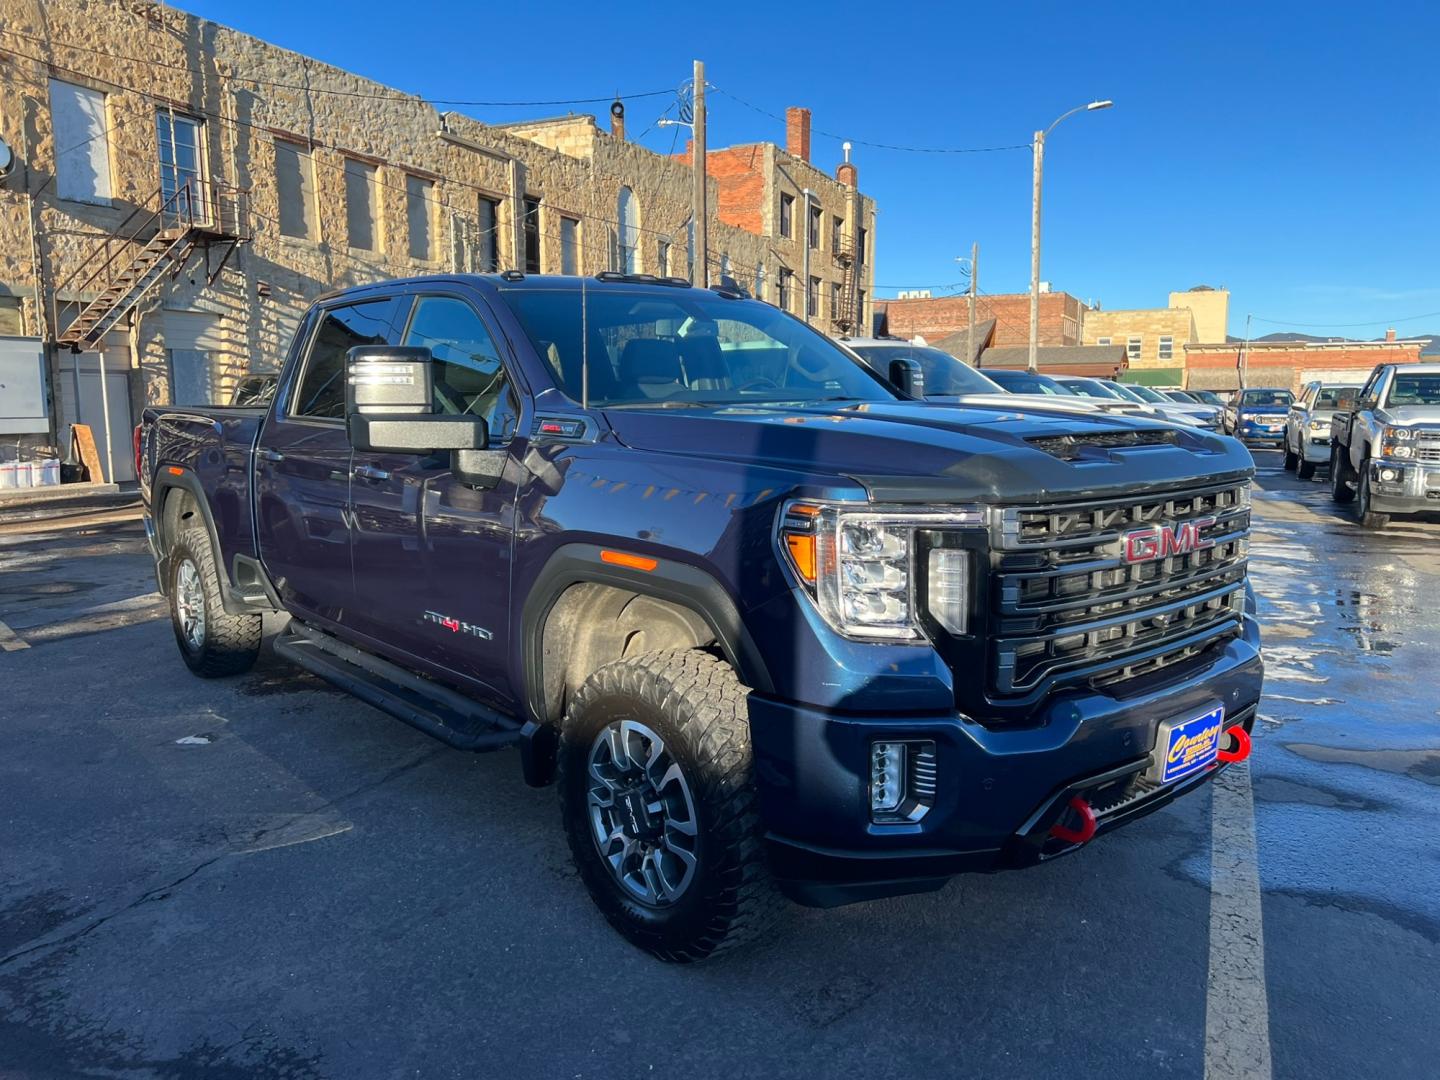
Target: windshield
[1146,394]
[1092,389]
[1022,382]
[1180,397]
[1329,396]
[1263,398]
[1205,397]
[944,374]
[672,348]
[1415,390]
[1124,393]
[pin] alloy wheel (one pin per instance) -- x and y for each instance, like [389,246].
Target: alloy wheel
[190,604]
[642,813]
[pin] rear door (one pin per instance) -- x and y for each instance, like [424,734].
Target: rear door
[302,464]
[432,555]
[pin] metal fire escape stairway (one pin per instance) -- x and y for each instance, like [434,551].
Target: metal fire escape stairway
[127,264]
[844,317]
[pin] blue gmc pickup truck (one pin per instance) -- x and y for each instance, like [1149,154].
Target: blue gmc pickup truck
[772,626]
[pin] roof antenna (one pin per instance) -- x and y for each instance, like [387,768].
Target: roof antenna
[584,348]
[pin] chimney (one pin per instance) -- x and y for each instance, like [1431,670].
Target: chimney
[845,173]
[1390,334]
[797,132]
[617,119]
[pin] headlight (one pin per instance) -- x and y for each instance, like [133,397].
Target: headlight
[1396,442]
[858,564]
[1398,434]
[1320,427]
[1400,451]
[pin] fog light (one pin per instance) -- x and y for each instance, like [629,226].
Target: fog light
[887,777]
[1389,474]
[903,781]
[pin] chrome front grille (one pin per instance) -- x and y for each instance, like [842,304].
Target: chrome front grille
[1067,605]
[1428,454]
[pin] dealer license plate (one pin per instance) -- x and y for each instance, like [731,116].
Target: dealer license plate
[1184,747]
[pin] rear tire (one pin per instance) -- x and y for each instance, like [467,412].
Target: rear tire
[213,643]
[1369,519]
[1341,475]
[669,732]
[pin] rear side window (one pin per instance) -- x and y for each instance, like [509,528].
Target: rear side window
[321,393]
[469,377]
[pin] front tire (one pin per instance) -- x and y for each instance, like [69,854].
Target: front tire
[213,643]
[1305,470]
[1292,459]
[660,808]
[1369,519]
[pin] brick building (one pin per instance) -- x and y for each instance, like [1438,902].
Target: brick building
[820,228]
[1061,317]
[182,191]
[1292,364]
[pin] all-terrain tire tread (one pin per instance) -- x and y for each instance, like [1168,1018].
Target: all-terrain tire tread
[232,642]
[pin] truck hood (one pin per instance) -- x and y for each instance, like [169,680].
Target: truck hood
[1410,415]
[917,452]
[1265,410]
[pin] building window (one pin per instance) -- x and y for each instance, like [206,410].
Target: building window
[725,269]
[489,235]
[295,180]
[628,217]
[759,281]
[11,321]
[1102,341]
[784,289]
[834,300]
[862,237]
[569,246]
[530,226]
[837,232]
[82,143]
[419,197]
[662,258]
[182,164]
[1167,348]
[817,217]
[360,205]
[787,214]
[812,298]
[1132,348]
[860,326]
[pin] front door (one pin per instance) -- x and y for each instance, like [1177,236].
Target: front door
[302,467]
[432,555]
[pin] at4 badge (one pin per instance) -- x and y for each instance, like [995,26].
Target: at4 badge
[457,626]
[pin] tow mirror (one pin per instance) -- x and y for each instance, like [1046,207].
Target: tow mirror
[390,408]
[907,376]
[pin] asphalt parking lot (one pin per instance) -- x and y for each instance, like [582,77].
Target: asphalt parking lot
[260,877]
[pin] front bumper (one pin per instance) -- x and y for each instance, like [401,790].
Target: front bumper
[1251,434]
[1316,448]
[1413,489]
[999,790]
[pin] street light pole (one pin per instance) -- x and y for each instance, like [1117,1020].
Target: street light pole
[1039,147]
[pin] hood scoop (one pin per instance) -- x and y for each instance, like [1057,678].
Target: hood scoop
[1096,445]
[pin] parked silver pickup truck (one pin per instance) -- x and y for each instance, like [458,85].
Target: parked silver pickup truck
[1307,427]
[1385,452]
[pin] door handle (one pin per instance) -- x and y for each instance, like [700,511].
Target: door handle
[369,472]
[271,455]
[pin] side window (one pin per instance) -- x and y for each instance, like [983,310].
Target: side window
[321,392]
[469,377]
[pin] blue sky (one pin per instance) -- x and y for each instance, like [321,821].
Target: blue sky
[1290,152]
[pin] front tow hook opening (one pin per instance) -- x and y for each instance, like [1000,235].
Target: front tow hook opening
[1085,832]
[1238,746]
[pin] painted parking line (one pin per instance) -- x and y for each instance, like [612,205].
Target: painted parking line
[11,641]
[1237,1012]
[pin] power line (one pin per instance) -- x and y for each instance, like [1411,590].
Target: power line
[875,145]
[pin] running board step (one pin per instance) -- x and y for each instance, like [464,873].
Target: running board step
[436,710]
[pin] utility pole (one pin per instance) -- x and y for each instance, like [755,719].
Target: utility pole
[1034,360]
[1244,364]
[700,272]
[974,284]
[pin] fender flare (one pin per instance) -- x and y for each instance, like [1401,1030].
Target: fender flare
[678,583]
[162,485]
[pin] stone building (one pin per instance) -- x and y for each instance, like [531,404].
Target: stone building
[182,191]
[1155,339]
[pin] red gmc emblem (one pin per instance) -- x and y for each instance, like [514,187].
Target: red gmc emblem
[1162,541]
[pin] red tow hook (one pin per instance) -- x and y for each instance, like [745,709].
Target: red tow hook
[1239,749]
[1087,824]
